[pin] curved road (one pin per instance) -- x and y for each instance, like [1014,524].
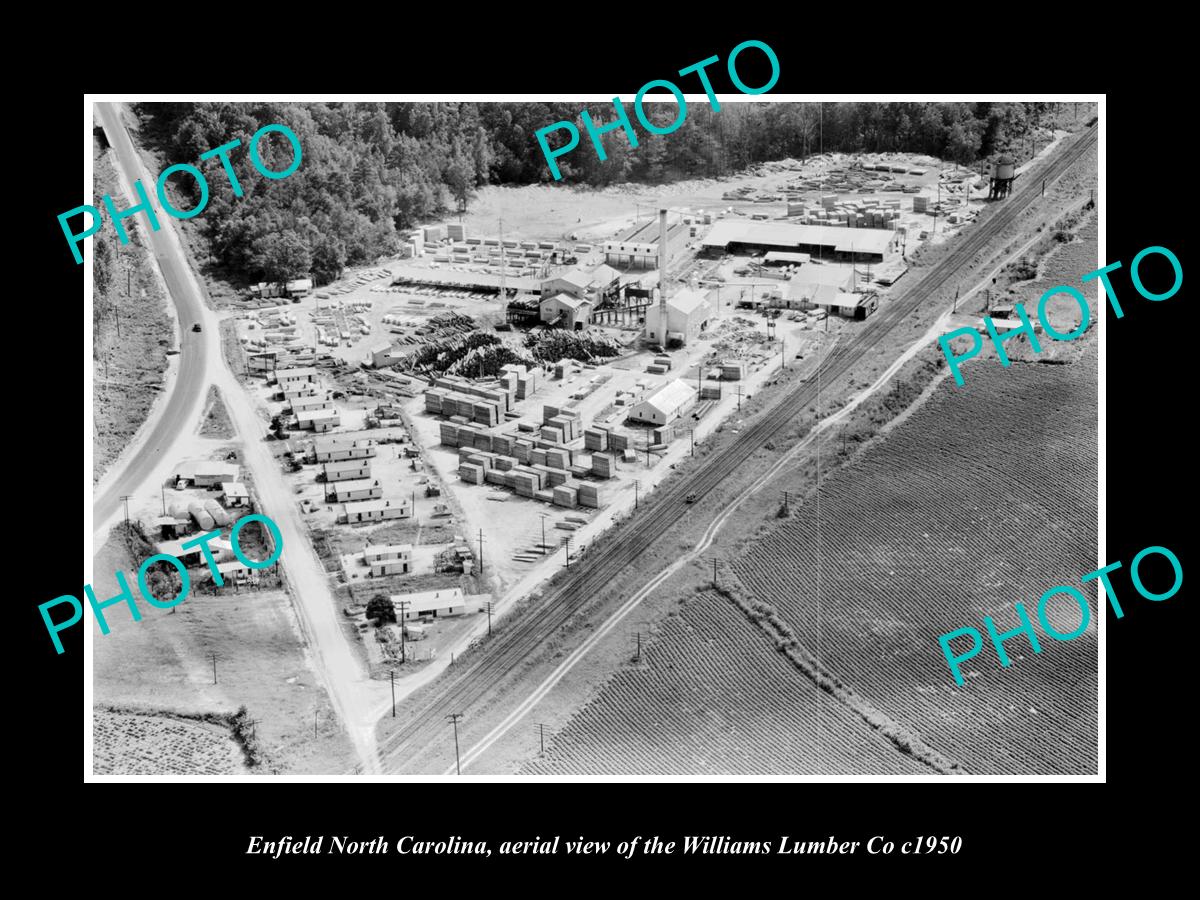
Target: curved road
[176,416]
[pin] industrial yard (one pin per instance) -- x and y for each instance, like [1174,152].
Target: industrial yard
[546,408]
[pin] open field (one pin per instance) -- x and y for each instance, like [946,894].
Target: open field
[162,666]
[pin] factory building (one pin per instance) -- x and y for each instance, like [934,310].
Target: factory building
[687,314]
[637,247]
[565,311]
[821,241]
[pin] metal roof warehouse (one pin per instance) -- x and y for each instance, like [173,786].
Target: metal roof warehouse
[855,243]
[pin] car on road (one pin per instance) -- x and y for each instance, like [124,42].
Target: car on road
[196,327]
[690,498]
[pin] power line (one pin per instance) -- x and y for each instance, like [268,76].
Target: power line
[454,717]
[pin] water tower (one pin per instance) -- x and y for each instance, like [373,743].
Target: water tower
[1004,172]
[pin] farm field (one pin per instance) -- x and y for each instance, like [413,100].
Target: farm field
[910,550]
[711,696]
[137,744]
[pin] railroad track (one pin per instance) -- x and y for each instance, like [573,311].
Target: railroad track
[465,687]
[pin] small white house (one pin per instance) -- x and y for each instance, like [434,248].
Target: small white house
[288,378]
[355,489]
[389,559]
[439,604]
[318,419]
[665,405]
[358,511]
[347,470]
[235,493]
[340,449]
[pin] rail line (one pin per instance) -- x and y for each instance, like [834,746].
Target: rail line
[532,627]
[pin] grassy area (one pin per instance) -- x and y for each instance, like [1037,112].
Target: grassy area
[164,666]
[132,331]
[215,422]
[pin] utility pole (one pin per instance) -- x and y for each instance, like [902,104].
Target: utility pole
[489,612]
[163,491]
[635,494]
[1043,187]
[714,562]
[213,656]
[785,501]
[125,500]
[393,674]
[739,390]
[638,656]
[955,309]
[544,517]
[481,550]
[454,717]
[403,616]
[567,550]
[692,435]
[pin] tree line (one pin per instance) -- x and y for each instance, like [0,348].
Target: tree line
[371,169]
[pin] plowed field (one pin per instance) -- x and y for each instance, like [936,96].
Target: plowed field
[131,744]
[713,697]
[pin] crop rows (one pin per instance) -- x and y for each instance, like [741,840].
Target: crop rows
[713,697]
[129,744]
[986,496]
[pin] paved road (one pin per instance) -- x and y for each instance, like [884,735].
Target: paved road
[178,415]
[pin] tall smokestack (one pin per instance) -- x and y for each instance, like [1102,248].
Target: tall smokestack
[662,273]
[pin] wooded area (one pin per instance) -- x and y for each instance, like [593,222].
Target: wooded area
[372,168]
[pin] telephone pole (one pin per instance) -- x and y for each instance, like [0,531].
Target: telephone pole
[714,562]
[125,501]
[403,658]
[739,389]
[213,656]
[544,517]
[393,673]
[785,501]
[567,550]
[481,550]
[692,435]
[638,656]
[454,717]
[489,612]
[635,494]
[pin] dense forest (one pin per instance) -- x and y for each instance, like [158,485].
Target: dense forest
[372,168]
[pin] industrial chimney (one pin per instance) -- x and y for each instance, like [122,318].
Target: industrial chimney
[662,274]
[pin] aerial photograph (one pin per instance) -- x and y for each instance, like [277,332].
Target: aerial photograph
[463,450]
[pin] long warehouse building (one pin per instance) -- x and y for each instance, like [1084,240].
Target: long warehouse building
[825,242]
